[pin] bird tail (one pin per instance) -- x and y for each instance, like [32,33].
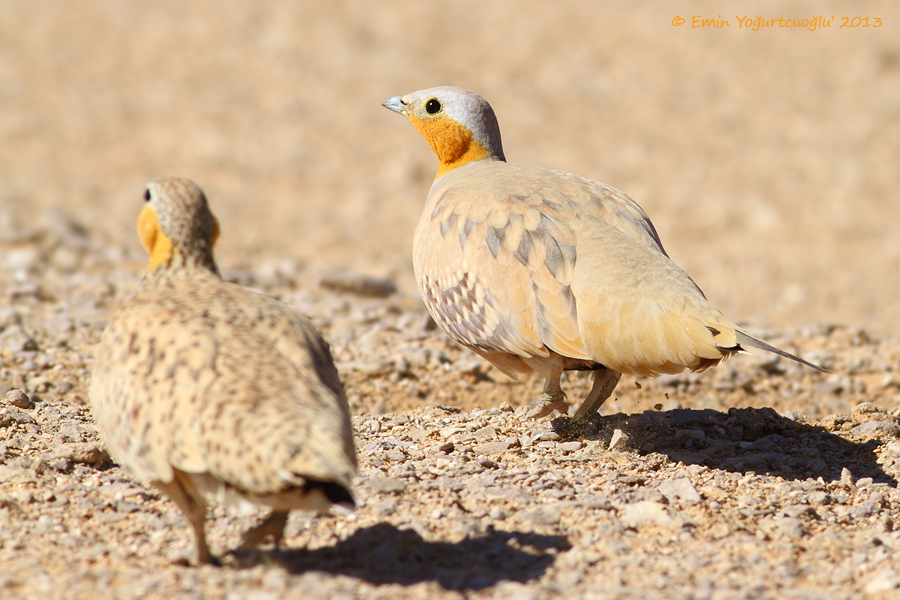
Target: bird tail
[749,340]
[337,493]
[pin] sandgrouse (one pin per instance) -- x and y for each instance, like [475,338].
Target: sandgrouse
[543,271]
[213,392]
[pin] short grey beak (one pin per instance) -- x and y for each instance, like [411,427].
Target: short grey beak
[395,104]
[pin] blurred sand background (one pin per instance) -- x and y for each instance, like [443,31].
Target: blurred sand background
[768,160]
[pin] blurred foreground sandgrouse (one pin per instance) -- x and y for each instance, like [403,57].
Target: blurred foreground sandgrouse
[213,392]
[543,271]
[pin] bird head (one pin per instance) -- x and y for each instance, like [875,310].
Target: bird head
[459,125]
[176,224]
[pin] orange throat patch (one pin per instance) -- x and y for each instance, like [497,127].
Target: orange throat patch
[453,143]
[157,243]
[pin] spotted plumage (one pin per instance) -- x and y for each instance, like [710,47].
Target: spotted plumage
[543,271]
[214,392]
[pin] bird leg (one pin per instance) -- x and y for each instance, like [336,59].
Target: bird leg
[272,525]
[194,511]
[553,397]
[605,381]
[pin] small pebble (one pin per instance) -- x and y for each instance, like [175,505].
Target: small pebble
[819,498]
[387,485]
[385,508]
[546,436]
[846,477]
[19,399]
[647,513]
[360,285]
[567,447]
[542,515]
[619,440]
[680,488]
[864,408]
[488,463]
[877,429]
[396,455]
[791,528]
[493,447]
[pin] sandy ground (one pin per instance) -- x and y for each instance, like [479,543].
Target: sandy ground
[767,160]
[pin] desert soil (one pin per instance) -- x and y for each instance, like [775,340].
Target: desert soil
[767,160]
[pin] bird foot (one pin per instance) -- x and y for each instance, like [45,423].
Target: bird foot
[572,427]
[547,404]
[192,559]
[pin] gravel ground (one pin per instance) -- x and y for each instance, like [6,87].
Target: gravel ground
[766,159]
[688,496]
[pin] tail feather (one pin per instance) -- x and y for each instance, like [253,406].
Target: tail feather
[748,340]
[336,493]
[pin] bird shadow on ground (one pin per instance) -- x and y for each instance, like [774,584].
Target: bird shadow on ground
[385,554]
[742,440]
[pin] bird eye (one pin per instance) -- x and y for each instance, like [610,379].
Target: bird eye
[432,106]
[147,195]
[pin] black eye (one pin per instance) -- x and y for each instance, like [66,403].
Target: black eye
[147,195]
[432,106]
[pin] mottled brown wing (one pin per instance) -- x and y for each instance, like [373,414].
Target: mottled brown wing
[287,404]
[495,267]
[215,378]
[150,369]
[640,313]
[519,260]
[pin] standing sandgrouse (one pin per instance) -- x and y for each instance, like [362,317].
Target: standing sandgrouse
[213,392]
[544,271]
